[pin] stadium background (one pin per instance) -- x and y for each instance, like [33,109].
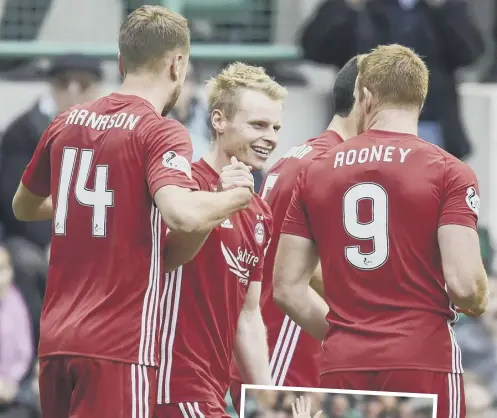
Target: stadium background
[261,403]
[34,32]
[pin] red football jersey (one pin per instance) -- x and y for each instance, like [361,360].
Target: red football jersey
[203,299]
[373,206]
[294,355]
[102,162]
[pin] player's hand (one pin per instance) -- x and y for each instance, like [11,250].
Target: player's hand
[472,313]
[237,174]
[301,408]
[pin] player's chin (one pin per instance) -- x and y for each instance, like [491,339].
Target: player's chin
[257,161]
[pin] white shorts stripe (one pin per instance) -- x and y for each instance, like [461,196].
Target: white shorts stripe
[172,300]
[140,392]
[191,410]
[454,395]
[133,391]
[197,408]
[283,351]
[147,337]
[183,410]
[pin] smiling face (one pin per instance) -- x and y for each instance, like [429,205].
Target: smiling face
[251,134]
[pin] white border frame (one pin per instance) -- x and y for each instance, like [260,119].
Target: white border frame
[339,391]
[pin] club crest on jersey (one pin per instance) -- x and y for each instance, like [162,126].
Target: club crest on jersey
[259,233]
[473,200]
[177,162]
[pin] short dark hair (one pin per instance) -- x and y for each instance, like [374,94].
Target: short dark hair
[343,89]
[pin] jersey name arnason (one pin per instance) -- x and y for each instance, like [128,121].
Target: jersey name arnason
[92,120]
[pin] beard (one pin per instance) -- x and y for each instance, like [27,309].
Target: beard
[172,100]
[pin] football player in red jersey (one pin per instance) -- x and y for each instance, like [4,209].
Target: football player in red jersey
[294,356]
[393,220]
[210,306]
[112,168]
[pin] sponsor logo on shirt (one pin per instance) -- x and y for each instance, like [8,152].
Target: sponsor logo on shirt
[177,162]
[473,200]
[240,263]
[259,232]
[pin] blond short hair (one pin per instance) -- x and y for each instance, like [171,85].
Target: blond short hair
[224,88]
[396,75]
[148,34]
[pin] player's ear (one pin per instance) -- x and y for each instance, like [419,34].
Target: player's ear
[176,66]
[367,98]
[218,121]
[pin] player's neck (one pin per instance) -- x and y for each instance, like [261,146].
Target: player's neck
[396,120]
[217,159]
[145,87]
[343,127]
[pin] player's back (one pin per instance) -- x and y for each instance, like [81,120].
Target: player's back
[374,206]
[105,263]
[292,363]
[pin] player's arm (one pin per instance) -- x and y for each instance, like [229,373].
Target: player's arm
[296,261]
[465,276]
[316,281]
[32,201]
[182,246]
[168,152]
[28,206]
[251,349]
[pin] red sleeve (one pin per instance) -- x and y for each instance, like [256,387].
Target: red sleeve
[36,177]
[267,224]
[461,201]
[296,222]
[168,156]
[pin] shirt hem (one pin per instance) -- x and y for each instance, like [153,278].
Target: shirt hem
[383,368]
[107,358]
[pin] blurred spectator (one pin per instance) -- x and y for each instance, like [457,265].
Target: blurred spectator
[193,113]
[16,352]
[477,338]
[73,79]
[439,30]
[266,403]
[30,268]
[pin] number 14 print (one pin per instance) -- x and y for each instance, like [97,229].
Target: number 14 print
[99,199]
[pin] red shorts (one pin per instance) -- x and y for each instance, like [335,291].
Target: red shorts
[449,387]
[81,387]
[190,410]
[236,395]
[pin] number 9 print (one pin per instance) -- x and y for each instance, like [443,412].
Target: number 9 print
[376,229]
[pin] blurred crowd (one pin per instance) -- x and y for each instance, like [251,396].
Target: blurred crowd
[277,404]
[442,31]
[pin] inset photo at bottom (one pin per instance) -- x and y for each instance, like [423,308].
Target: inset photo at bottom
[288,402]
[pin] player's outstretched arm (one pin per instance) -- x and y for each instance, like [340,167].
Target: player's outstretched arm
[28,206]
[182,246]
[296,261]
[251,349]
[464,273]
